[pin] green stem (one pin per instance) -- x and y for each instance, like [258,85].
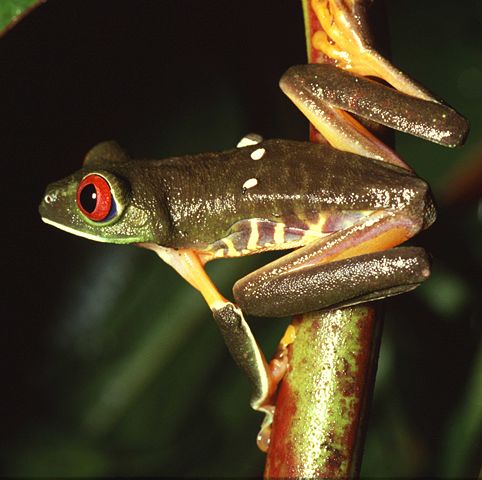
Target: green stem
[320,420]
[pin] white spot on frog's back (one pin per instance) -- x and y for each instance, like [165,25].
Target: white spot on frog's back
[258,154]
[249,140]
[250,183]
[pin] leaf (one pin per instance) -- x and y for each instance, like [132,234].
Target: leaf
[12,11]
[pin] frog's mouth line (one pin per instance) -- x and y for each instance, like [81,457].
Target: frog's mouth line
[89,236]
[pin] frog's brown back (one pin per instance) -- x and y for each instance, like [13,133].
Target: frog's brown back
[277,179]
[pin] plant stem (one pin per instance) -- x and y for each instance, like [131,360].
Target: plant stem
[321,411]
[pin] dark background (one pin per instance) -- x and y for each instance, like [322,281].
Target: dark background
[111,364]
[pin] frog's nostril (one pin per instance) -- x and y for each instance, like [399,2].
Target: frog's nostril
[50,198]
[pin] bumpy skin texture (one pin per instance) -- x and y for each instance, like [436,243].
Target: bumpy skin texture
[430,120]
[204,194]
[335,284]
[192,201]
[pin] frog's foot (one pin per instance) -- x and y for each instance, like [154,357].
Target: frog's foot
[342,40]
[336,126]
[264,435]
[278,368]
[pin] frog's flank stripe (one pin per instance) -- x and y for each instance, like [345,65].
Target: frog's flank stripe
[253,236]
[279,233]
[221,253]
[296,221]
[231,249]
[316,223]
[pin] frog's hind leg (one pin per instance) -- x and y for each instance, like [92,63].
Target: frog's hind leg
[325,93]
[336,126]
[336,284]
[317,84]
[348,267]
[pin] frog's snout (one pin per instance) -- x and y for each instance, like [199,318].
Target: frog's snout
[48,202]
[56,200]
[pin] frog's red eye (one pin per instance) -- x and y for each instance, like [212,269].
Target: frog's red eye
[94,198]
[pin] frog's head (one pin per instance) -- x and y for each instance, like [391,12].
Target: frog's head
[105,201]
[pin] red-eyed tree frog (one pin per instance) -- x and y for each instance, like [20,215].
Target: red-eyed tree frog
[342,206]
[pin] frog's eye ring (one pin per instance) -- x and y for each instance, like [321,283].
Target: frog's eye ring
[94,198]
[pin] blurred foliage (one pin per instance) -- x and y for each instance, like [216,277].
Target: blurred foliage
[112,363]
[12,10]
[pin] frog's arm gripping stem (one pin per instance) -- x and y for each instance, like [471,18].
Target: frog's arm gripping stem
[235,330]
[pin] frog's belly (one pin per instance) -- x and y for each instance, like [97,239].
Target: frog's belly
[256,235]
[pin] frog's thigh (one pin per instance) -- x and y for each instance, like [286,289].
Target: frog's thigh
[340,283]
[350,266]
[336,126]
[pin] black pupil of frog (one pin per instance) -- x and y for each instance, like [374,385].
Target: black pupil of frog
[88,198]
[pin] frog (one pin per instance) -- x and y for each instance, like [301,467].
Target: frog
[342,206]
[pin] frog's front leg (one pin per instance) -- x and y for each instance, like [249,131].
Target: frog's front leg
[231,322]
